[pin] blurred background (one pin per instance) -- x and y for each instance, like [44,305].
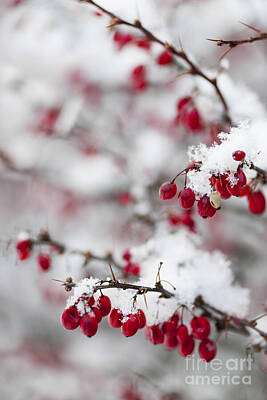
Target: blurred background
[83,150]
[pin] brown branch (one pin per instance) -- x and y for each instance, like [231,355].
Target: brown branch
[45,238]
[234,43]
[193,68]
[222,319]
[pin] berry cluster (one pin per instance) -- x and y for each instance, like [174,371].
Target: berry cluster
[130,268]
[24,250]
[185,219]
[222,188]
[88,313]
[173,335]
[188,115]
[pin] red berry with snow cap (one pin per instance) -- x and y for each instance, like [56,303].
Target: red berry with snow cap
[141,318]
[167,190]
[130,327]
[221,187]
[182,333]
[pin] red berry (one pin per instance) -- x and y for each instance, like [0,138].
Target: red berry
[173,219]
[125,198]
[207,350]
[48,120]
[122,39]
[104,305]
[221,187]
[44,262]
[239,155]
[167,190]
[200,327]
[186,198]
[144,44]
[23,248]
[115,318]
[130,327]
[192,120]
[97,313]
[256,202]
[169,327]
[131,269]
[186,348]
[244,191]
[155,334]
[91,301]
[234,190]
[70,318]
[88,325]
[164,58]
[141,318]
[138,78]
[127,255]
[241,177]
[182,333]
[170,342]
[188,221]
[185,101]
[204,208]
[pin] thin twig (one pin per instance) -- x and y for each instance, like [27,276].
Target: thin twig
[193,68]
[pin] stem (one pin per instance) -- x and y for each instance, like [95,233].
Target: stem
[193,68]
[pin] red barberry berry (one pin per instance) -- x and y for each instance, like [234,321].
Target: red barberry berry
[169,327]
[141,318]
[130,327]
[186,198]
[192,120]
[155,334]
[182,333]
[170,342]
[104,305]
[256,202]
[23,248]
[122,39]
[164,58]
[97,313]
[174,220]
[239,155]
[44,262]
[188,221]
[185,101]
[88,324]
[138,78]
[200,327]
[115,318]
[207,350]
[91,301]
[221,187]
[70,318]
[204,208]
[167,190]
[48,120]
[144,44]
[131,269]
[187,347]
[127,255]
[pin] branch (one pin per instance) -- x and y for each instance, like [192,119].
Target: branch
[234,43]
[45,238]
[193,68]
[223,320]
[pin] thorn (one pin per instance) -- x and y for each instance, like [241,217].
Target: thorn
[251,27]
[112,273]
[226,52]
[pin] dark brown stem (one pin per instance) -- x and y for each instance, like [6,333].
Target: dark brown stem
[222,319]
[193,68]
